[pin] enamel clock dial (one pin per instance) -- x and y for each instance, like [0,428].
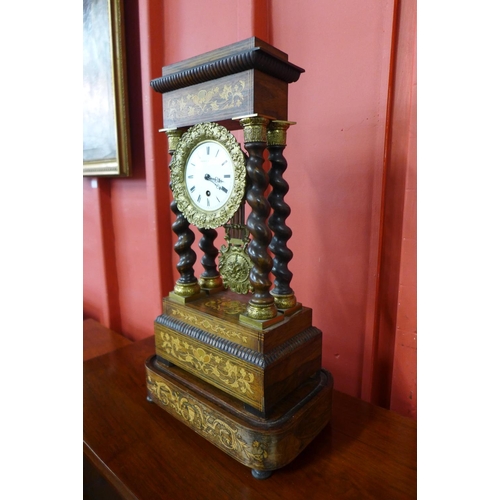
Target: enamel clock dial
[208,175]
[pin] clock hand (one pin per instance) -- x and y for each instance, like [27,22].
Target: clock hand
[216,182]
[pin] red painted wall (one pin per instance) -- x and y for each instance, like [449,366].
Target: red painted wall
[403,382]
[339,160]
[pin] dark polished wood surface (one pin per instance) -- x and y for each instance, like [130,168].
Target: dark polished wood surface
[366,452]
[98,340]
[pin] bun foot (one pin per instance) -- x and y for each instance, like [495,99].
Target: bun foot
[261,474]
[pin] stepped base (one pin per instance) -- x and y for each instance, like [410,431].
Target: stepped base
[263,444]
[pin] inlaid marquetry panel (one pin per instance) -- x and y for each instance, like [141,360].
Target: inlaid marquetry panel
[242,378]
[225,98]
[210,423]
[212,323]
[219,314]
[255,442]
[258,379]
[220,99]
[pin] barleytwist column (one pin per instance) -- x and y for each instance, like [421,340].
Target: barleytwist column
[187,285]
[261,306]
[284,296]
[210,279]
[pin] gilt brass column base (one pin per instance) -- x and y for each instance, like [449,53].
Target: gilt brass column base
[179,299]
[260,324]
[263,444]
[211,285]
[264,312]
[286,303]
[186,292]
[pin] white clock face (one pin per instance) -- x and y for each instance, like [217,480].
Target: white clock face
[209,175]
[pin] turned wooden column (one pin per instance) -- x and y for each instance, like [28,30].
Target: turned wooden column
[283,294]
[187,285]
[210,279]
[261,306]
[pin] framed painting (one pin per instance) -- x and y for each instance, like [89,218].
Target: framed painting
[106,144]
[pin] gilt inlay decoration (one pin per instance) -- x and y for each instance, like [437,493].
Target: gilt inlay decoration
[207,422]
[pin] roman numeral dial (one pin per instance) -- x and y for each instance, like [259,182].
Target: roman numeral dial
[209,176]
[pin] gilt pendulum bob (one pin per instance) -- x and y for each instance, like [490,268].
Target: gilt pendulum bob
[237,357]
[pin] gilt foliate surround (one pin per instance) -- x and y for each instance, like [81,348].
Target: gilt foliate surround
[189,140]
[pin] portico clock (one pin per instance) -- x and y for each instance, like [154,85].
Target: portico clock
[237,358]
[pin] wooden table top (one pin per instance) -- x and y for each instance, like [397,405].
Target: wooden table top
[99,340]
[366,452]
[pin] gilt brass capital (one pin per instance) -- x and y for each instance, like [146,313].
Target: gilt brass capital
[254,128]
[276,132]
[174,135]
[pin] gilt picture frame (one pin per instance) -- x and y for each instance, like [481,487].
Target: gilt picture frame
[106,140]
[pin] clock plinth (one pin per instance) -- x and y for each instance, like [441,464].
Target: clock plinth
[237,358]
[257,366]
[263,444]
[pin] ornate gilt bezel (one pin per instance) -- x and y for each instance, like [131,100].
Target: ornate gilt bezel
[189,140]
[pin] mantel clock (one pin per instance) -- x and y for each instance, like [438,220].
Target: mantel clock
[237,357]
